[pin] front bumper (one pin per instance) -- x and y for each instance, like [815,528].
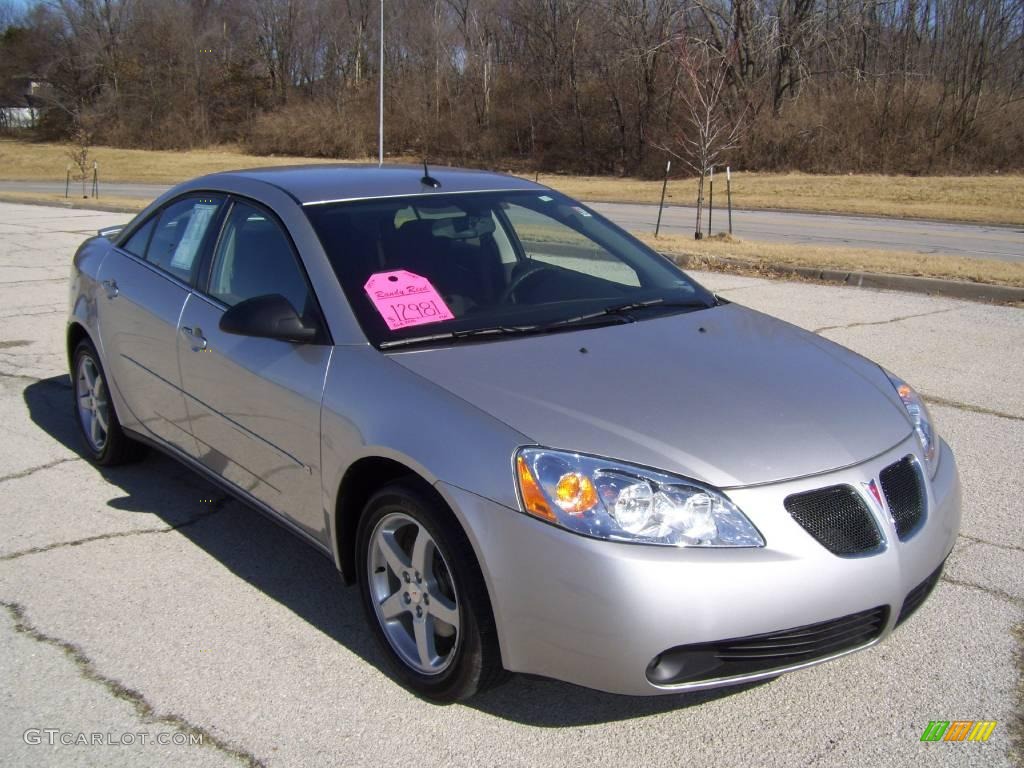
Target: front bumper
[596,613]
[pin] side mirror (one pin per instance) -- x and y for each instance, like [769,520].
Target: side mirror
[270,317]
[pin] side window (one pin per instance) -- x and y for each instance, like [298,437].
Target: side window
[137,243]
[254,258]
[546,239]
[179,234]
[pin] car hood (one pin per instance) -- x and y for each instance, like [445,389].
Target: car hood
[726,395]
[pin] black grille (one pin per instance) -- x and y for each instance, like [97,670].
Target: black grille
[904,493]
[773,650]
[837,517]
[915,599]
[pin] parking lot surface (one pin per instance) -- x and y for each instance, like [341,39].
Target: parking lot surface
[141,602]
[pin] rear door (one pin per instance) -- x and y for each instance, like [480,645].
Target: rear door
[146,281]
[254,403]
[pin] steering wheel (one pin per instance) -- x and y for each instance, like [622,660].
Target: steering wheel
[518,280]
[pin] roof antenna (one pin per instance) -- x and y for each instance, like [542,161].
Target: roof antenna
[427,179]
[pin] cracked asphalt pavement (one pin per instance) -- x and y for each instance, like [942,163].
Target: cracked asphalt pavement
[142,601]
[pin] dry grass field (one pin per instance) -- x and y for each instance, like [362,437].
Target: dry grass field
[981,199]
[30,161]
[765,255]
[986,199]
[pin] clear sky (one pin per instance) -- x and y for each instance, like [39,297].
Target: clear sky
[18,5]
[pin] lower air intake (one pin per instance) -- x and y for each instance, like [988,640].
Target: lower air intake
[761,653]
[915,599]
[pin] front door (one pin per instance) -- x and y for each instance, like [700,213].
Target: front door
[254,403]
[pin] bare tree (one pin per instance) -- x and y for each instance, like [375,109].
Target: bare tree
[78,152]
[709,128]
[911,86]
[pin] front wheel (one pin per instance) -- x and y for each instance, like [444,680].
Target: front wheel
[424,596]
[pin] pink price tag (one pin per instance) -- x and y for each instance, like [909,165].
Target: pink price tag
[404,299]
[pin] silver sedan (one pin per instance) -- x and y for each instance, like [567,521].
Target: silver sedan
[532,442]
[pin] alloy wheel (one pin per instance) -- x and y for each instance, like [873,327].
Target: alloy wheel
[93,403]
[413,594]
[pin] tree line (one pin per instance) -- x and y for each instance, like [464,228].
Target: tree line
[593,86]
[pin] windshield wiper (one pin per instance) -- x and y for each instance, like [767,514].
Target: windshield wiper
[671,303]
[623,310]
[496,330]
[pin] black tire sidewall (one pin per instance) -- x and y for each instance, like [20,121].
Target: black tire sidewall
[462,676]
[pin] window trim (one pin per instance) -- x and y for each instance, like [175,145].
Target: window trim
[155,217]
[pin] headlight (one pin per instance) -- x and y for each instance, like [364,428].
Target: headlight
[921,419]
[608,500]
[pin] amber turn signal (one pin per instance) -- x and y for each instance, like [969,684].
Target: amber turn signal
[533,497]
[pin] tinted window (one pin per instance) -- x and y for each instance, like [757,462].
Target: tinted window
[495,261]
[254,258]
[180,232]
[137,242]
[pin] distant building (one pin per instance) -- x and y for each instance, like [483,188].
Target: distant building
[19,105]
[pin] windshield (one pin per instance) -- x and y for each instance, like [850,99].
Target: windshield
[488,264]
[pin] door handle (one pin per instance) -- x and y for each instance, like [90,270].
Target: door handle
[196,339]
[110,286]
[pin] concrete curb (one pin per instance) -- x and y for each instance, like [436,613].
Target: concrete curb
[955,289]
[71,204]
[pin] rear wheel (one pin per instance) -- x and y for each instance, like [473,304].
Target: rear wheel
[105,442]
[424,596]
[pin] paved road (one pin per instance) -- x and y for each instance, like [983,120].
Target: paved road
[971,240]
[140,600]
[930,237]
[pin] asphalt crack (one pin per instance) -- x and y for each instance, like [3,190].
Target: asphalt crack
[41,280]
[21,376]
[31,471]
[118,690]
[976,540]
[35,314]
[998,593]
[217,507]
[971,408]
[35,380]
[884,322]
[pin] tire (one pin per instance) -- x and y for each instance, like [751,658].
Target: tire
[444,600]
[103,440]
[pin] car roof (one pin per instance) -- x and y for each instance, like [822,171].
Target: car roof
[315,184]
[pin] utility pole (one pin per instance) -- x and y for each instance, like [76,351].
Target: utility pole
[380,123]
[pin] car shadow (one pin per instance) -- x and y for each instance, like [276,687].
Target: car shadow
[291,572]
